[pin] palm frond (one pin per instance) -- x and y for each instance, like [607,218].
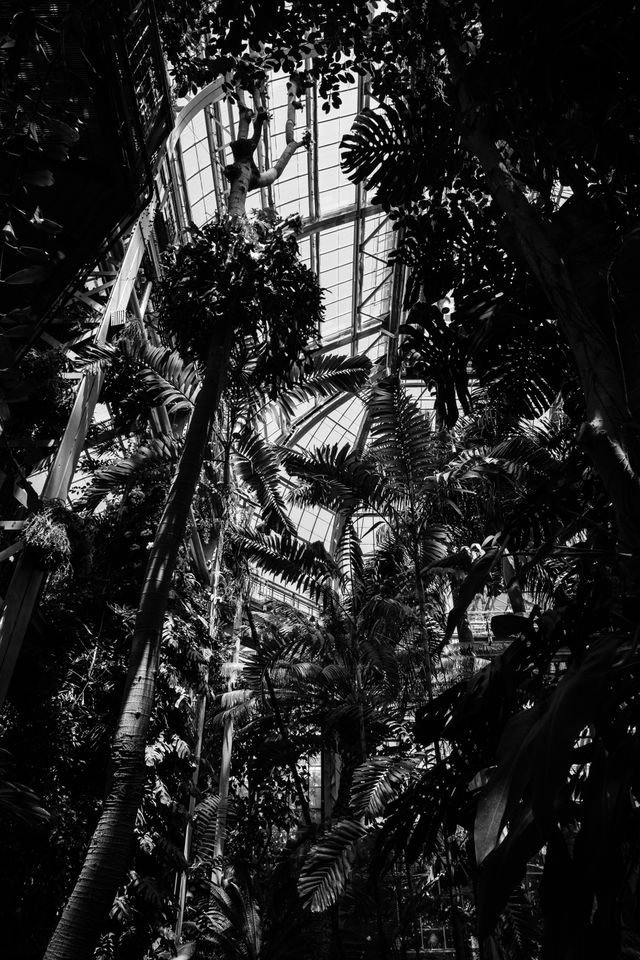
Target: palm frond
[383,660]
[208,813]
[348,553]
[338,478]
[235,921]
[307,566]
[483,463]
[436,350]
[257,465]
[535,448]
[335,675]
[17,801]
[170,852]
[87,352]
[328,865]
[204,822]
[376,783]
[166,377]
[236,705]
[434,542]
[518,931]
[329,375]
[401,435]
[114,477]
[517,357]
[146,888]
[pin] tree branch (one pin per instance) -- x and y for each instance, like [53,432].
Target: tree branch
[245,115]
[258,124]
[293,103]
[271,175]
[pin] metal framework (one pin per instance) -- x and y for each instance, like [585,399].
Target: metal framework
[344,238]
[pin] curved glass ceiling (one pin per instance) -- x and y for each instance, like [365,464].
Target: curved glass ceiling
[345,238]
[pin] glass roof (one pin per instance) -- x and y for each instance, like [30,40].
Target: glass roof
[345,239]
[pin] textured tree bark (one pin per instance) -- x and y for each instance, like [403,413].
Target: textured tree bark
[79,928]
[243,174]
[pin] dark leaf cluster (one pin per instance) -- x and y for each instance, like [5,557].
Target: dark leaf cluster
[246,277]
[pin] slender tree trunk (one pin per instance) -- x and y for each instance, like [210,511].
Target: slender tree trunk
[188,833]
[201,709]
[284,733]
[105,864]
[222,815]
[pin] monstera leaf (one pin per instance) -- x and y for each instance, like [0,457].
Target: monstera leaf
[436,349]
[378,152]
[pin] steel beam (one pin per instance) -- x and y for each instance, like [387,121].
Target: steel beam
[28,579]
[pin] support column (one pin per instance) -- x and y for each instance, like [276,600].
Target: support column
[28,579]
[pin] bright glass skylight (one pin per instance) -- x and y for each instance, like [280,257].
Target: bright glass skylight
[345,239]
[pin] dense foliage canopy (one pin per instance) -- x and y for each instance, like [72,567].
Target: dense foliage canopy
[335,774]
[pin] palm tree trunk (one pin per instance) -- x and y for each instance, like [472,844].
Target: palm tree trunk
[105,864]
[225,762]
[201,708]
